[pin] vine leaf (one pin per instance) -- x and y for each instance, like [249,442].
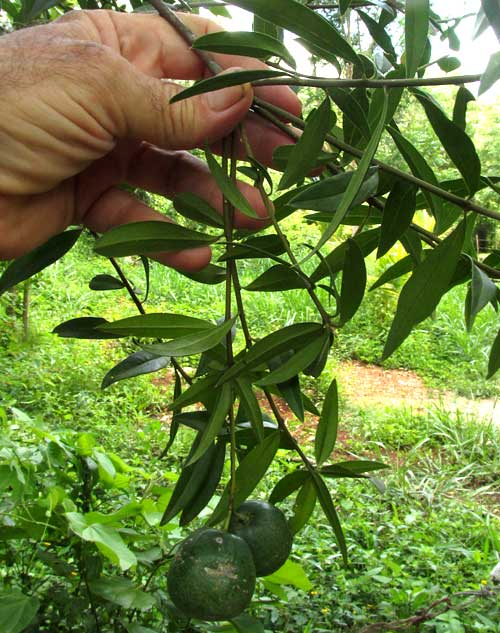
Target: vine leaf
[424,289]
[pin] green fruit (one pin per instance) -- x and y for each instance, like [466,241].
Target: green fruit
[265,529]
[212,576]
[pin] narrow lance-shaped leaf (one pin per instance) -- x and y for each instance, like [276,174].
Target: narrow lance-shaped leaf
[494,359]
[141,238]
[297,18]
[423,291]
[398,214]
[355,182]
[326,432]
[295,364]
[491,10]
[492,73]
[195,208]
[33,262]
[307,148]
[224,80]
[353,282]
[462,99]
[250,404]
[482,290]
[416,31]
[401,267]
[291,337]
[106,282]
[248,474]
[277,278]
[251,44]
[304,505]
[161,325]
[331,514]
[227,186]
[208,487]
[137,364]
[419,167]
[455,141]
[193,343]
[288,485]
[83,327]
[216,421]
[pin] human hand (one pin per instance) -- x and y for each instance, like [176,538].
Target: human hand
[84,107]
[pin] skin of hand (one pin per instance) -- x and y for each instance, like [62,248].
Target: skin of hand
[84,107]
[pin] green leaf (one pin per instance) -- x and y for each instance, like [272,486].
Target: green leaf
[123,592]
[291,394]
[492,73]
[277,278]
[326,431]
[379,34]
[288,485]
[455,141]
[482,291]
[195,392]
[208,487]
[248,474]
[398,214]
[216,421]
[141,238]
[227,186]
[192,479]
[38,7]
[304,505]
[17,611]
[491,9]
[157,325]
[355,468]
[255,247]
[251,44]
[137,364]
[303,156]
[334,261]
[233,78]
[195,208]
[246,624]
[353,281]
[83,327]
[250,405]
[352,113]
[416,32]
[419,167]
[291,574]
[462,99]
[193,343]
[449,64]
[32,263]
[356,181]
[424,289]
[263,26]
[326,195]
[344,5]
[304,22]
[106,282]
[297,362]
[291,337]
[401,267]
[210,275]
[133,627]
[494,359]
[326,502]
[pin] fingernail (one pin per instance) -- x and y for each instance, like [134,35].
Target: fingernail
[221,100]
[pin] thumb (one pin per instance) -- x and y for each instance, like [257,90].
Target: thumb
[149,116]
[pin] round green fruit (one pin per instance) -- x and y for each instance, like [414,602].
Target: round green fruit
[265,529]
[212,576]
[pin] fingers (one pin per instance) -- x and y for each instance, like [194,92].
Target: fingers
[155,48]
[116,207]
[162,172]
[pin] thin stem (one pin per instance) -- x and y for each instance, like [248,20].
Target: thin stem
[468,205]
[324,82]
